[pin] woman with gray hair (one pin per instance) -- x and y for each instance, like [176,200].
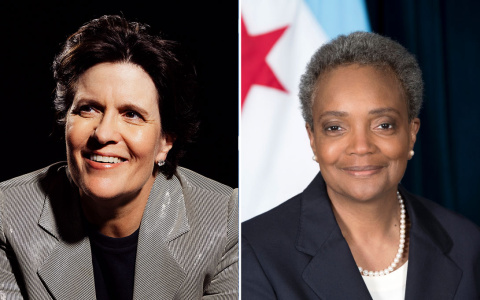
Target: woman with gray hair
[355,232]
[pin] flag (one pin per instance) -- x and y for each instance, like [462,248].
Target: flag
[278,37]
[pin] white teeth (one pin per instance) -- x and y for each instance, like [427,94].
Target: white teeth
[105,159]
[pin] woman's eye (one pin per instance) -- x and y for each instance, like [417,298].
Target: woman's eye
[333,128]
[386,126]
[133,115]
[85,110]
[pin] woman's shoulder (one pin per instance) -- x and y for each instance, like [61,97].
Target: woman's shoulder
[22,198]
[34,182]
[202,192]
[281,220]
[458,227]
[191,179]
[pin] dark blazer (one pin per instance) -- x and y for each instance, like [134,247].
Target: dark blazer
[187,245]
[297,251]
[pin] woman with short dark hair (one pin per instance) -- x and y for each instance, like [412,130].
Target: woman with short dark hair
[114,39]
[120,219]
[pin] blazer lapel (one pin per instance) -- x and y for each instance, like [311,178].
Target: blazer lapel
[158,273]
[431,273]
[67,271]
[332,273]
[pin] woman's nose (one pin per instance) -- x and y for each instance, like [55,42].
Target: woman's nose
[361,143]
[106,130]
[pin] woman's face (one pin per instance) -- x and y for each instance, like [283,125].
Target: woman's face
[362,137]
[113,132]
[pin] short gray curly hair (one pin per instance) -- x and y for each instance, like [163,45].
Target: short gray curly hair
[363,48]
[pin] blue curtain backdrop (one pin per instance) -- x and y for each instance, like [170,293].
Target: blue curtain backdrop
[445,37]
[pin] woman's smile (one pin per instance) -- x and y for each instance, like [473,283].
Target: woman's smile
[363,171]
[99,161]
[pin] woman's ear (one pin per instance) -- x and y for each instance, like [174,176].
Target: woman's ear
[311,136]
[166,143]
[414,127]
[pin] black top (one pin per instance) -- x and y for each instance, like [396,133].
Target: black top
[113,265]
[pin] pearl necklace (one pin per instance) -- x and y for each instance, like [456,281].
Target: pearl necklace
[401,246]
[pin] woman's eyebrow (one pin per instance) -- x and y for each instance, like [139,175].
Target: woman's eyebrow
[85,100]
[333,113]
[380,111]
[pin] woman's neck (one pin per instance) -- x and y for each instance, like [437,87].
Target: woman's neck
[117,217]
[370,227]
[365,217]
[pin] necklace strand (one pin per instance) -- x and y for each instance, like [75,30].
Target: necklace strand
[401,245]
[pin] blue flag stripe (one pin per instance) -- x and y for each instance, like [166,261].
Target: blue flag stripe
[340,16]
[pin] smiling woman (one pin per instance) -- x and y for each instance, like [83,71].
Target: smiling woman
[113,133]
[355,232]
[363,135]
[120,220]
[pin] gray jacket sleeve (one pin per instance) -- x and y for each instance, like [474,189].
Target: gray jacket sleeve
[224,284]
[9,288]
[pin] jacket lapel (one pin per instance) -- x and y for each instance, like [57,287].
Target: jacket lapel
[67,271]
[431,273]
[332,272]
[158,273]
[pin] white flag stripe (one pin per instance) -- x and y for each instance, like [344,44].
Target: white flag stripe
[275,154]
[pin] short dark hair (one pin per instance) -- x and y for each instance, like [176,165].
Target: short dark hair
[114,39]
[363,48]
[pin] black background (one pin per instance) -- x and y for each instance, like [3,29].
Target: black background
[32,34]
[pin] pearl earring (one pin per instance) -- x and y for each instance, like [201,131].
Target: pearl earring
[412,153]
[160,163]
[314,158]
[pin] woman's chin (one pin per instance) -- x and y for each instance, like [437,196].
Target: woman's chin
[103,191]
[361,192]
